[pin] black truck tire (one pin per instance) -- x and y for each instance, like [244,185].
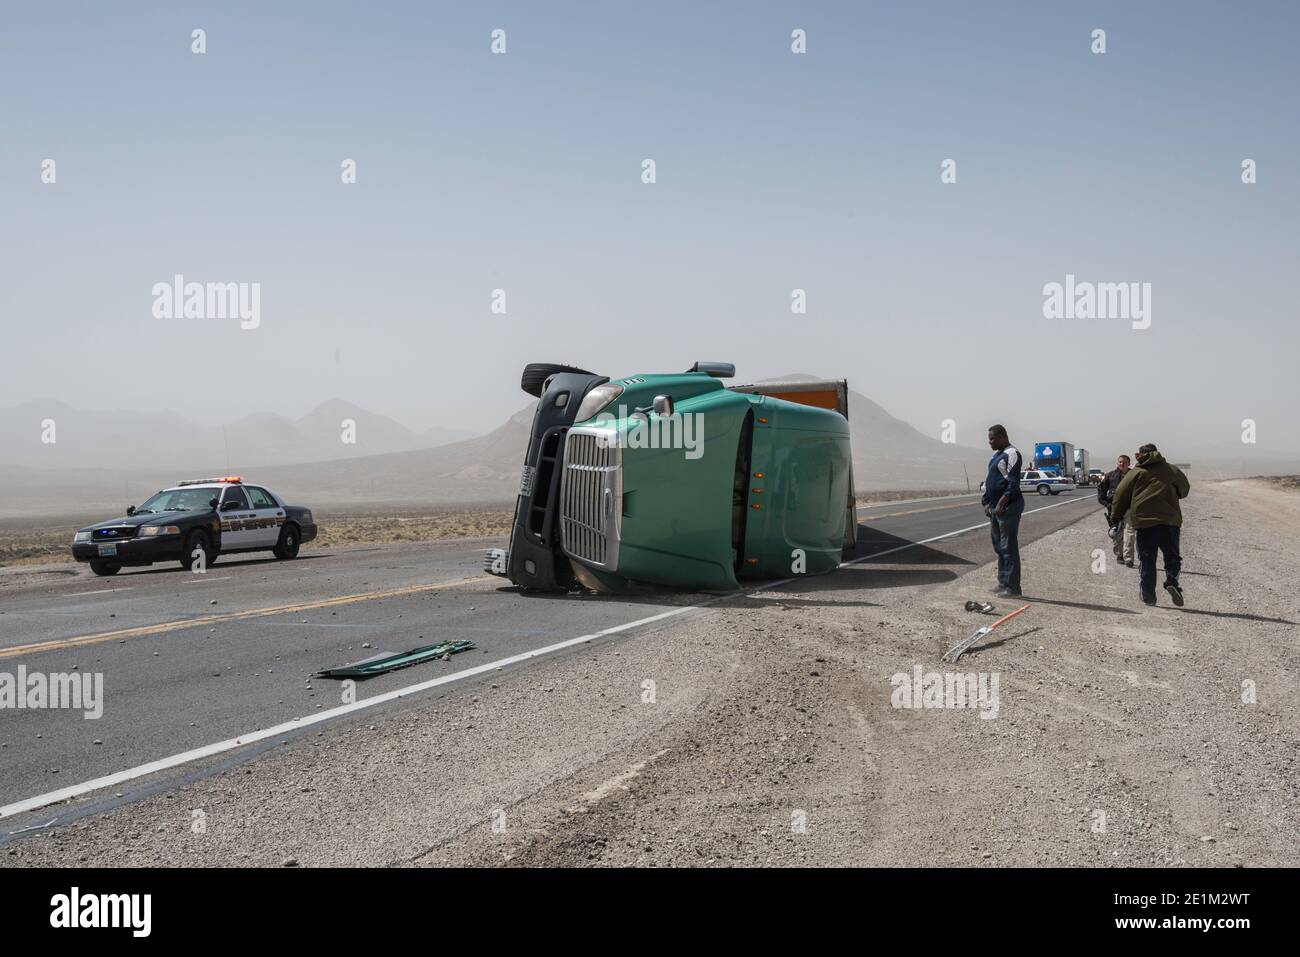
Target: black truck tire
[536,373]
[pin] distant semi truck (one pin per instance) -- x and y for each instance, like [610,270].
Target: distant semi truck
[1056,457]
[1081,467]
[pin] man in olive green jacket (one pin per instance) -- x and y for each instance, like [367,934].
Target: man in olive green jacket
[1148,499]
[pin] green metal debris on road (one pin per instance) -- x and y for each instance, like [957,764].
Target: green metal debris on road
[387,661]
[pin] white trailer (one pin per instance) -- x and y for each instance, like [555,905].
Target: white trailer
[1080,466]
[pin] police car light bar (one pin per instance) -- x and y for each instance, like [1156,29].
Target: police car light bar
[225,479]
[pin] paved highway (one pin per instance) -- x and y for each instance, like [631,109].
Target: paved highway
[195,667]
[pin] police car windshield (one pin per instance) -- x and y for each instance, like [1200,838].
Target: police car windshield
[180,500]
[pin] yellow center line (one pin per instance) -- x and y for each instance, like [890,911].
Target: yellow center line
[166,626]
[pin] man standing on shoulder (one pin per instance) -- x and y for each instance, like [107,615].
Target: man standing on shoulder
[1147,499]
[1004,505]
[1106,495]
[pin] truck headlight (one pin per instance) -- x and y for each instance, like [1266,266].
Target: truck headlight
[596,400]
[81,537]
[148,531]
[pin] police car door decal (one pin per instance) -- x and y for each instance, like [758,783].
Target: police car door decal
[238,524]
[268,516]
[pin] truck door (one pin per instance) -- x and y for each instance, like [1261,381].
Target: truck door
[817,472]
[824,394]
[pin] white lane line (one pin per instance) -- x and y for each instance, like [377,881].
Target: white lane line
[207,751]
[210,750]
[102,591]
[951,498]
[960,531]
[204,581]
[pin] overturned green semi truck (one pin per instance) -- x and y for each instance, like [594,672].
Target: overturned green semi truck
[676,480]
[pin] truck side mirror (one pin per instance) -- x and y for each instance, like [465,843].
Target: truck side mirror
[719,370]
[663,405]
[130,510]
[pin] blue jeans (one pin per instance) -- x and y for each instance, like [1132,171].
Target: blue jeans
[1004,529]
[1165,539]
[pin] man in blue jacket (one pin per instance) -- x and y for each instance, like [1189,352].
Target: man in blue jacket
[1004,505]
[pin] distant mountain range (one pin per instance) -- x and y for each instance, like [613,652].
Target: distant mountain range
[888,454]
[118,439]
[305,461]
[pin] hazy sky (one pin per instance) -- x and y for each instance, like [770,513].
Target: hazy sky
[775,171]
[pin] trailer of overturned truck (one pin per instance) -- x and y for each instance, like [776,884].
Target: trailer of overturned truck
[675,480]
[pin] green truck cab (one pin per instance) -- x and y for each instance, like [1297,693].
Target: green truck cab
[675,480]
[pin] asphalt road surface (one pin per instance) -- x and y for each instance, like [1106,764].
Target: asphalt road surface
[200,668]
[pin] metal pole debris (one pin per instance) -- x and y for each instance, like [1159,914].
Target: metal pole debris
[387,661]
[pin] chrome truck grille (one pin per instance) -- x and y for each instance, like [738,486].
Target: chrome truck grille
[591,497]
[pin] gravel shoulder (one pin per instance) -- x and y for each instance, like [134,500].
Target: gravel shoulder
[762,731]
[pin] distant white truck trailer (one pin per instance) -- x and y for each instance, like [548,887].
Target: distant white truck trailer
[1080,466]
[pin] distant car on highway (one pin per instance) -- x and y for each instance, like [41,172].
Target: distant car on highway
[1095,476]
[1045,482]
[217,516]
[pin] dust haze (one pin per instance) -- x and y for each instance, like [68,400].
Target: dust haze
[509,221]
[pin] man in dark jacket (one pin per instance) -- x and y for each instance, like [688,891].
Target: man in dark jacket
[1004,505]
[1148,499]
[1106,495]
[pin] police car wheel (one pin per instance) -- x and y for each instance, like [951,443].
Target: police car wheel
[1044,490]
[287,546]
[104,568]
[197,539]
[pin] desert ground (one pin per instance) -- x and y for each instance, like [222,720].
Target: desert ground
[1122,735]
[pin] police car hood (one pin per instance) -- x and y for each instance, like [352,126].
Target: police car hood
[145,518]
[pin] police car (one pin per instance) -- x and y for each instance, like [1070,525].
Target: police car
[216,516]
[1045,482]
